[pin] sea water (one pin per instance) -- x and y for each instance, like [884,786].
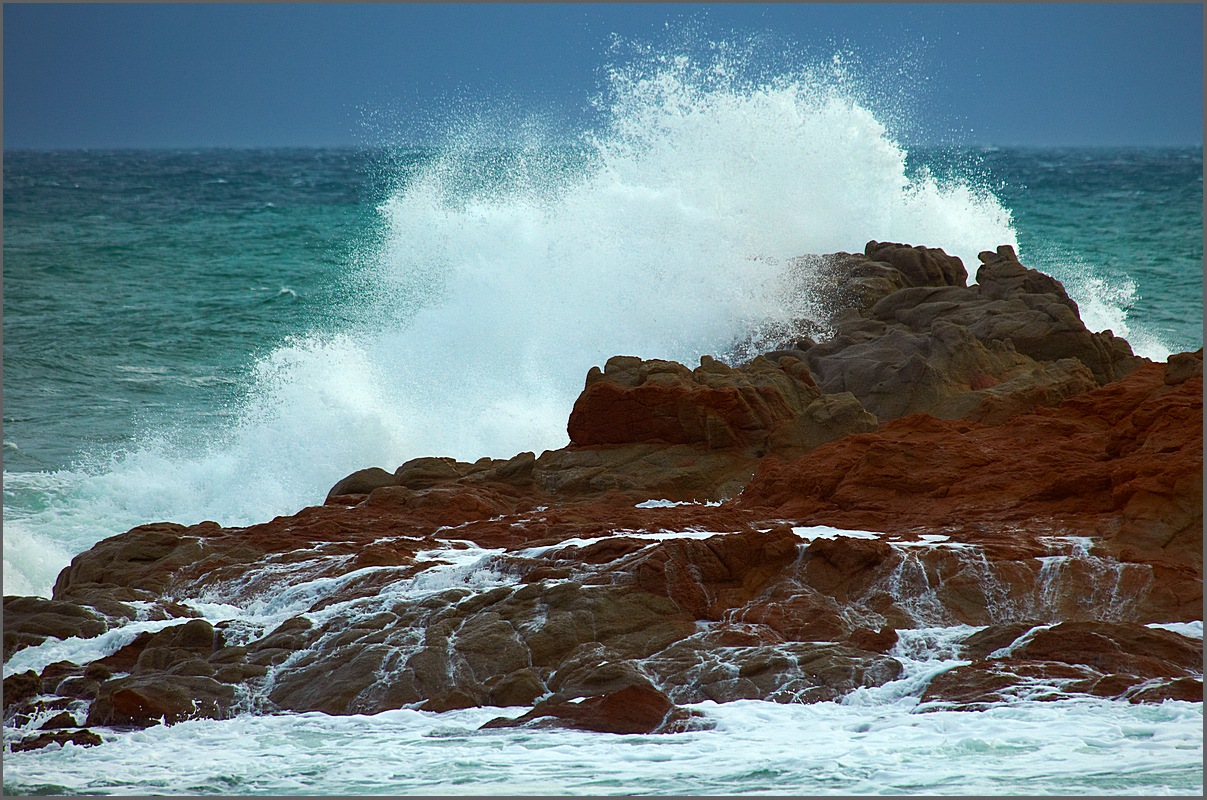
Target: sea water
[222,335]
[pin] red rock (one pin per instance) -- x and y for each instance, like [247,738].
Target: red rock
[691,671]
[1187,689]
[83,738]
[1017,451]
[633,709]
[147,700]
[1122,464]
[21,686]
[707,576]
[30,621]
[880,641]
[1116,648]
[757,405]
[1118,660]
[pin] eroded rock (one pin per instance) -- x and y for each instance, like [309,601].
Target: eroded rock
[1117,660]
[989,461]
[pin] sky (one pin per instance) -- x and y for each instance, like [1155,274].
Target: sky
[282,74]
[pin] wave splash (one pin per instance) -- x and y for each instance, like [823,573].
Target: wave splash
[500,275]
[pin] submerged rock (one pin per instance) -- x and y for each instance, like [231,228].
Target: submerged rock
[82,737]
[633,709]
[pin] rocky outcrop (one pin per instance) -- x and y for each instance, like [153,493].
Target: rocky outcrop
[760,406]
[910,337]
[29,621]
[1122,465]
[1116,660]
[949,455]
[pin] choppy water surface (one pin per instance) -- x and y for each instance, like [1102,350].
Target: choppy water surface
[224,334]
[1086,746]
[182,325]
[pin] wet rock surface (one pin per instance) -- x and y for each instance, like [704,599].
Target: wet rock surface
[633,709]
[29,621]
[931,455]
[1119,660]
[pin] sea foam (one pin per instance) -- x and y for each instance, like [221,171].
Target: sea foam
[498,276]
[1087,746]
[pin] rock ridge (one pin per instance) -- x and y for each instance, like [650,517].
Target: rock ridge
[923,454]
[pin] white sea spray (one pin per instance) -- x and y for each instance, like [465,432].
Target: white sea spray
[498,277]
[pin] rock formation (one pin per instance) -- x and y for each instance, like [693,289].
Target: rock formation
[946,455]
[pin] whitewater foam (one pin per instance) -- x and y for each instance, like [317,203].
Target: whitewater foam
[1090,746]
[497,277]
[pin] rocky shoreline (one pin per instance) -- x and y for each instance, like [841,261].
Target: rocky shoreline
[934,455]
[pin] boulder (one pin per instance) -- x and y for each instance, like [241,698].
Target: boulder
[361,482]
[30,621]
[634,709]
[1006,345]
[1116,660]
[149,699]
[633,401]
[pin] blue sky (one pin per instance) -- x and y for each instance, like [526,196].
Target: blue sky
[231,75]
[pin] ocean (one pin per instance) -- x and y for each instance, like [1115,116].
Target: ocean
[223,334]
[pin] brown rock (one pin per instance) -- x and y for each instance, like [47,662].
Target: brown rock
[21,686]
[921,266]
[705,577]
[1125,648]
[83,738]
[880,641]
[634,401]
[30,621]
[141,562]
[1187,689]
[59,721]
[1181,367]
[633,709]
[642,471]
[1121,465]
[1118,660]
[361,482]
[694,670]
[910,336]
[147,700]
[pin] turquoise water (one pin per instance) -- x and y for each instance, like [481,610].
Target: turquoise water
[1088,747]
[139,287]
[224,334]
[1125,223]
